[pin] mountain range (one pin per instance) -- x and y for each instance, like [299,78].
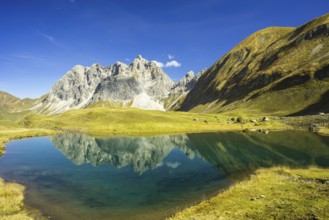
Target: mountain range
[278,71]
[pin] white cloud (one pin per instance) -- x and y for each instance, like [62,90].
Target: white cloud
[159,64]
[173,63]
[171,57]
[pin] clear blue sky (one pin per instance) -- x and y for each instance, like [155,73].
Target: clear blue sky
[40,40]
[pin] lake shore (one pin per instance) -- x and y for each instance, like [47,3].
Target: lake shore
[12,194]
[99,123]
[16,133]
[12,203]
[275,193]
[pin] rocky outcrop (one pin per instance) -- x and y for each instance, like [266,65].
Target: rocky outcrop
[187,82]
[142,84]
[112,88]
[75,88]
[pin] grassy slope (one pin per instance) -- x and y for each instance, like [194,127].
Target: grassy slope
[271,72]
[135,121]
[15,109]
[7,101]
[276,193]
[10,103]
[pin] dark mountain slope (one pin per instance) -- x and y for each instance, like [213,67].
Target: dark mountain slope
[275,71]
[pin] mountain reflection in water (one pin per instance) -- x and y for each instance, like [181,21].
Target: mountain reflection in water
[75,176]
[230,152]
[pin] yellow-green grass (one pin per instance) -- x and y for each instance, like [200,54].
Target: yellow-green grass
[283,102]
[10,131]
[12,203]
[276,193]
[324,130]
[135,121]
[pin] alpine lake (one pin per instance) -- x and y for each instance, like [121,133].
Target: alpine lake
[75,176]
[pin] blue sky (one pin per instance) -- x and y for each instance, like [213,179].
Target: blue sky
[40,40]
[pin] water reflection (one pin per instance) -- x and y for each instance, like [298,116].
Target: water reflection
[146,177]
[141,153]
[230,152]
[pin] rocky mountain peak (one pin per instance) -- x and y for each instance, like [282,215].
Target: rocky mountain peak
[117,68]
[189,75]
[140,64]
[139,59]
[96,65]
[118,63]
[187,82]
[142,84]
[78,69]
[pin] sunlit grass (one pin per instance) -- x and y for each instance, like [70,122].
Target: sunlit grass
[11,202]
[276,193]
[136,121]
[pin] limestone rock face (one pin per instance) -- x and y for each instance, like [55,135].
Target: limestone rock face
[117,89]
[187,82]
[156,83]
[142,84]
[75,88]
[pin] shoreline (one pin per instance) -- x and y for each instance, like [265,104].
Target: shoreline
[270,193]
[20,133]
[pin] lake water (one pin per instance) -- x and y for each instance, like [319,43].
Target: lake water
[75,176]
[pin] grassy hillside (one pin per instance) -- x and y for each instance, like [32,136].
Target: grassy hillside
[7,101]
[135,121]
[279,71]
[13,108]
[10,103]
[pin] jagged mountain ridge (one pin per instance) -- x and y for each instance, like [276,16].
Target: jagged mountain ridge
[274,71]
[141,84]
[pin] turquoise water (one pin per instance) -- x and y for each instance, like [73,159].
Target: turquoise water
[75,176]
